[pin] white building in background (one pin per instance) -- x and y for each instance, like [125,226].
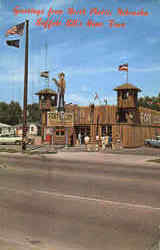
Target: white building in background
[6,129]
[32,129]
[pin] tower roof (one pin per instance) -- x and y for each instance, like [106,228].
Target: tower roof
[47,91]
[126,86]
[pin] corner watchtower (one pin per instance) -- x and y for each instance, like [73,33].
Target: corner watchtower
[47,99]
[127,103]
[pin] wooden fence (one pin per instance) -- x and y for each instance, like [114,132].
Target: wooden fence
[133,135]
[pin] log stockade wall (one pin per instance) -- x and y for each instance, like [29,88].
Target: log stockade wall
[102,114]
[130,135]
[128,124]
[133,135]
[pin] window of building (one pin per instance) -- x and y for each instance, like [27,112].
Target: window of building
[125,95]
[59,131]
[104,131]
[82,114]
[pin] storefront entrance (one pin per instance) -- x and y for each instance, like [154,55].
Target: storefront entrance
[106,130]
[81,132]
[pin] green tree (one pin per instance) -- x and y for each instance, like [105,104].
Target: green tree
[4,107]
[14,113]
[34,113]
[152,102]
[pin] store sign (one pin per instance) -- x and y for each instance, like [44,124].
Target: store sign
[149,118]
[145,118]
[57,118]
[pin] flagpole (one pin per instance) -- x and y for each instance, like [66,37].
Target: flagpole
[46,55]
[24,133]
[48,79]
[127,75]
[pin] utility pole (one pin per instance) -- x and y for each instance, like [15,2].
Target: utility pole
[24,133]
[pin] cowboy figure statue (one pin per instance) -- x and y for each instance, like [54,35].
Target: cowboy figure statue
[61,84]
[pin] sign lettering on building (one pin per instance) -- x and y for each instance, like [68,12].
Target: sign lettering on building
[58,119]
[149,118]
[145,118]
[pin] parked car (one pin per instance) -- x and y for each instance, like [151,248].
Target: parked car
[153,142]
[7,139]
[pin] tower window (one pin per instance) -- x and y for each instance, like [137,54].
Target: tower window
[124,95]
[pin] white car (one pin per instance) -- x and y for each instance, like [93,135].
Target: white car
[10,139]
[153,142]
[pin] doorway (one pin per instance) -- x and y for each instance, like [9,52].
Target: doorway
[81,132]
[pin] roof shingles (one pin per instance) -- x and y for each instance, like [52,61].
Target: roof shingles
[127,86]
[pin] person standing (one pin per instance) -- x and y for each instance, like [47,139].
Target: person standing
[79,138]
[86,139]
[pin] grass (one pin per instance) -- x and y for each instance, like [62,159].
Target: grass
[8,150]
[29,152]
[38,152]
[156,161]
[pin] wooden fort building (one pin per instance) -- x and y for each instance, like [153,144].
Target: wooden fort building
[127,123]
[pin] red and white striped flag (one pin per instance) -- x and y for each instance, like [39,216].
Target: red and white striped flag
[123,67]
[44,74]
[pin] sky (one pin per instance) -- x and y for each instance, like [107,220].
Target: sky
[89,56]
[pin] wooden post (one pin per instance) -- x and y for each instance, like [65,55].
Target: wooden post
[66,137]
[24,135]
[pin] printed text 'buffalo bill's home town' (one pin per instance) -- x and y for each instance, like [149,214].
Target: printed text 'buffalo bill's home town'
[128,124]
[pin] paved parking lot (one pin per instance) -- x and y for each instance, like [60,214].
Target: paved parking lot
[137,151]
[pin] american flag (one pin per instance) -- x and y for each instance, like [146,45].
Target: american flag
[16,30]
[123,67]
